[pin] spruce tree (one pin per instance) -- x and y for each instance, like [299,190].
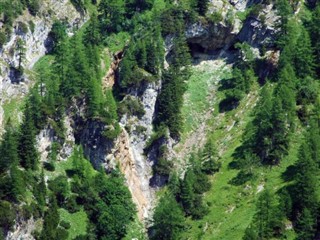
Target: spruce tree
[111,16]
[8,150]
[306,225]
[187,194]
[306,187]
[27,142]
[51,221]
[279,135]
[262,123]
[304,59]
[168,219]
[209,156]
[315,36]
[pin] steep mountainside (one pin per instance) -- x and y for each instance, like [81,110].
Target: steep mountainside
[159,119]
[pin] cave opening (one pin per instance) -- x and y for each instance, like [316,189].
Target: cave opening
[196,49]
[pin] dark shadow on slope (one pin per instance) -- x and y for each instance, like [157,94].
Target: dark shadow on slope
[226,84]
[234,165]
[241,178]
[228,104]
[289,174]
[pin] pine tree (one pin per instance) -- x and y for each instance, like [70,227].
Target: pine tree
[51,221]
[58,35]
[279,137]
[62,61]
[306,225]
[304,59]
[262,123]
[168,220]
[21,54]
[111,16]
[267,218]
[187,195]
[17,182]
[314,140]
[8,150]
[315,36]
[27,142]
[210,162]
[40,191]
[306,187]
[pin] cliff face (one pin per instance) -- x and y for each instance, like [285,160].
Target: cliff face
[223,31]
[33,31]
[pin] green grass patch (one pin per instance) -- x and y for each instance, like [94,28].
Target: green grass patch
[232,207]
[200,95]
[117,42]
[78,222]
[13,110]
[43,63]
[244,14]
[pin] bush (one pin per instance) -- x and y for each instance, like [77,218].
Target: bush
[7,215]
[71,205]
[23,27]
[31,26]
[140,129]
[112,132]
[49,166]
[255,10]
[215,17]
[65,225]
[163,167]
[131,106]
[33,7]
[232,100]
[3,39]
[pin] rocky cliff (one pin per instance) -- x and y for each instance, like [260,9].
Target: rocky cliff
[33,31]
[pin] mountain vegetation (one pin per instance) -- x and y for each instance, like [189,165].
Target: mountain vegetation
[273,143]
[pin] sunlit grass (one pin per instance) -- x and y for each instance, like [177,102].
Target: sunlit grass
[78,222]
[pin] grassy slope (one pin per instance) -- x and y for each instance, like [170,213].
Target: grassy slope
[78,222]
[231,207]
[199,96]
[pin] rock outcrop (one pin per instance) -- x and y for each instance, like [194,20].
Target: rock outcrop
[260,31]
[211,36]
[139,173]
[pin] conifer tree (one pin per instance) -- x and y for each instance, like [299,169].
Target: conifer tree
[27,142]
[51,221]
[267,218]
[279,137]
[262,141]
[17,182]
[304,59]
[306,225]
[21,54]
[187,195]
[315,36]
[210,162]
[168,220]
[306,187]
[111,15]
[8,150]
